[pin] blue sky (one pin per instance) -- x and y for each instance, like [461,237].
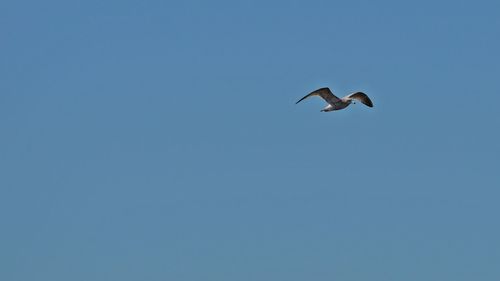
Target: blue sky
[160,140]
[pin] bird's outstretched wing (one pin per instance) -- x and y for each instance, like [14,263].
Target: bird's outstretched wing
[324,93]
[362,97]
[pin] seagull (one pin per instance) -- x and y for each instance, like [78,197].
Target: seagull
[334,103]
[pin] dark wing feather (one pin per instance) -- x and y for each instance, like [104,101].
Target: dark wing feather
[324,93]
[362,97]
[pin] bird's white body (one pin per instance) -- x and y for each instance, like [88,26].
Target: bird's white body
[341,104]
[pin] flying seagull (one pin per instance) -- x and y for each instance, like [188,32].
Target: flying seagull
[335,103]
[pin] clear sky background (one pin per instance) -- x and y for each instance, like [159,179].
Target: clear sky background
[160,140]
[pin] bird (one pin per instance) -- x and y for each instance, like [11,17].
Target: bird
[335,103]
